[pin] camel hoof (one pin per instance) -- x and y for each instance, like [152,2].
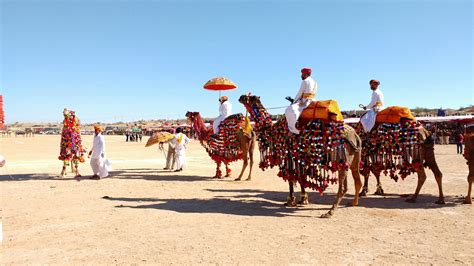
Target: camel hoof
[440,201]
[411,200]
[238,179]
[303,202]
[379,191]
[290,204]
[364,192]
[248,179]
[329,214]
[467,201]
[353,204]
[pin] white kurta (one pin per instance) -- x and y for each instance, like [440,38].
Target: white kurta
[100,165]
[375,105]
[225,109]
[293,112]
[180,142]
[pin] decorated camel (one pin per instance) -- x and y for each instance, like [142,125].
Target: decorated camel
[71,150]
[398,145]
[325,147]
[235,141]
[469,155]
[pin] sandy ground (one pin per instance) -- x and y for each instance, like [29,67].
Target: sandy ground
[154,216]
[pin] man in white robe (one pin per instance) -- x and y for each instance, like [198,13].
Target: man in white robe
[302,100]
[375,105]
[225,110]
[100,165]
[180,142]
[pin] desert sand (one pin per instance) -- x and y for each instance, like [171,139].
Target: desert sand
[142,214]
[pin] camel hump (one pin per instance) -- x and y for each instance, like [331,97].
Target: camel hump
[235,117]
[394,114]
[322,110]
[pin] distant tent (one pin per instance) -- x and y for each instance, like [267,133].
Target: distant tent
[2,114]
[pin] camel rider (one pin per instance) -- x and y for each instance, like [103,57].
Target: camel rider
[302,100]
[225,110]
[375,105]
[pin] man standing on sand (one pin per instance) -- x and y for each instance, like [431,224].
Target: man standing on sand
[100,165]
[180,142]
[302,100]
[375,105]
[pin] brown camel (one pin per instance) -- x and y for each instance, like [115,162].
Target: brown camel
[277,149]
[245,143]
[469,155]
[425,157]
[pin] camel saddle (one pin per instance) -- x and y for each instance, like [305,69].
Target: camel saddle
[325,110]
[394,114]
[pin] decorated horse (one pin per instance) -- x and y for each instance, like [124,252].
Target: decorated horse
[398,146]
[235,141]
[71,150]
[320,155]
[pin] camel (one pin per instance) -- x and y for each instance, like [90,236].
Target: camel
[421,155]
[469,155]
[230,136]
[278,148]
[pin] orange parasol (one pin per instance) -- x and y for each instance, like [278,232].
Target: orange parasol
[220,84]
[159,137]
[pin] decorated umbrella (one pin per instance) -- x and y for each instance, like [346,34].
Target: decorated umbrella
[220,84]
[158,137]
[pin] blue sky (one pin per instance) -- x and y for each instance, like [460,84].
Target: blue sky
[127,60]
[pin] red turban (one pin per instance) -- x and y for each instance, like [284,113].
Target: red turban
[306,71]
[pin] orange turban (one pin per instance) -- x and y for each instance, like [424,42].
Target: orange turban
[224,98]
[374,80]
[98,128]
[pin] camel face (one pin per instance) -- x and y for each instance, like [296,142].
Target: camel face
[192,115]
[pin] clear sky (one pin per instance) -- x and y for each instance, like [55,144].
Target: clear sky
[125,60]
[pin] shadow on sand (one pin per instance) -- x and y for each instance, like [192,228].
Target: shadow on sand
[216,205]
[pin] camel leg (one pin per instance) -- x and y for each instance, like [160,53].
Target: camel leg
[63,172]
[251,164]
[218,170]
[356,176]
[470,180]
[468,199]
[304,197]
[365,188]
[431,162]
[227,170]
[379,190]
[340,193]
[290,202]
[421,180]
[244,166]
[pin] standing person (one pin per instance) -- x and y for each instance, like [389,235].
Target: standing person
[225,110]
[459,142]
[170,157]
[303,98]
[180,142]
[99,164]
[375,105]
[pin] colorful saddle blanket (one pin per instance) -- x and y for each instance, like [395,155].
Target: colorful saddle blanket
[394,114]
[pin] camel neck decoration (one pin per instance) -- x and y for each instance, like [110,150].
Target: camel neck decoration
[229,145]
